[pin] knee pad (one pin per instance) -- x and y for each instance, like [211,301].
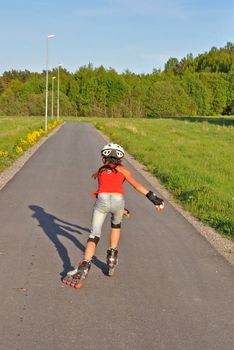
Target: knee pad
[94,239]
[115,225]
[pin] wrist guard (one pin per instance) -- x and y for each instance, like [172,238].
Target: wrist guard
[154,199]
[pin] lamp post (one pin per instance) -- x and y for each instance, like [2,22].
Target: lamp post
[52,100]
[60,65]
[46,102]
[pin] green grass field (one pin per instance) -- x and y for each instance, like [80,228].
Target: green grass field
[12,129]
[192,157]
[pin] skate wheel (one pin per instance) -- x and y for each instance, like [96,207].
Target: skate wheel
[65,281]
[78,285]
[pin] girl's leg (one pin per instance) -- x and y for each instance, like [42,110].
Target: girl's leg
[112,252]
[117,214]
[116,219]
[96,227]
[74,278]
[114,237]
[89,251]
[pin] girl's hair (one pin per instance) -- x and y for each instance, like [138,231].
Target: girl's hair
[109,162]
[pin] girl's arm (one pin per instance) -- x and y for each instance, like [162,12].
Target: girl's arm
[132,181]
[158,202]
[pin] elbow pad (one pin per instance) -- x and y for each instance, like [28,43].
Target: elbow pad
[154,199]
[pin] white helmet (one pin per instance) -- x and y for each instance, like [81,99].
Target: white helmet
[113,150]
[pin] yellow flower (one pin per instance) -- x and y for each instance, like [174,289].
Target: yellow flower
[23,142]
[3,154]
[31,138]
[19,150]
[54,124]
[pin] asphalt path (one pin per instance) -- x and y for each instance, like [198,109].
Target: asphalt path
[171,289]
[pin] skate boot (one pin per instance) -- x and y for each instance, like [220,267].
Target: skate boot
[76,277]
[112,260]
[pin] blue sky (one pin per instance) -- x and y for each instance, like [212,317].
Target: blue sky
[138,35]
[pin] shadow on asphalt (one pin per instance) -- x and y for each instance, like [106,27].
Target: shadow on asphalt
[54,227]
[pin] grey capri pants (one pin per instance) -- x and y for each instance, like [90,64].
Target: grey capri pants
[104,204]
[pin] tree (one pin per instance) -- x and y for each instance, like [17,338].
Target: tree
[230,94]
[168,98]
[217,85]
[172,65]
[198,92]
[194,85]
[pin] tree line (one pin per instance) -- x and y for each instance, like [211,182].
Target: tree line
[201,85]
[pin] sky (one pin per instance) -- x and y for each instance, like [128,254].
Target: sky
[138,35]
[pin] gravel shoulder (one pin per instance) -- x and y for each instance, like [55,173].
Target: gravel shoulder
[224,246]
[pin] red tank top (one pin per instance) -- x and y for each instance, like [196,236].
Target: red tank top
[110,181]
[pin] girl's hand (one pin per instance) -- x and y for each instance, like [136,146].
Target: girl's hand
[160,206]
[126,213]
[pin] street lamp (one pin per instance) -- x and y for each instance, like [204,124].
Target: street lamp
[60,65]
[46,103]
[52,102]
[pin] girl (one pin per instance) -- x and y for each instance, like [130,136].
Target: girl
[109,199]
